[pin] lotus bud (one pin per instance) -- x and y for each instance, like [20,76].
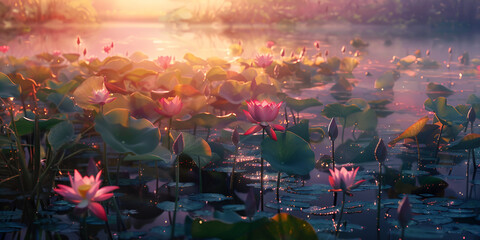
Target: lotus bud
[343,49]
[326,53]
[276,71]
[317,45]
[78,40]
[404,212]
[427,52]
[332,130]
[380,151]
[84,52]
[178,144]
[450,50]
[235,137]
[471,116]
[92,167]
[250,204]
[282,52]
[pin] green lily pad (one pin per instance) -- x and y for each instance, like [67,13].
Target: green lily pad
[281,226]
[194,60]
[348,64]
[216,74]
[160,153]
[138,74]
[7,87]
[289,154]
[339,110]
[61,134]
[387,80]
[64,103]
[234,91]
[26,125]
[470,141]
[299,105]
[444,111]
[127,134]
[438,90]
[301,129]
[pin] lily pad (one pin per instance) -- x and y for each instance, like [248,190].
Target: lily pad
[7,87]
[61,134]
[411,131]
[127,134]
[289,154]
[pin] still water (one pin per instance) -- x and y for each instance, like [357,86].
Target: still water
[406,105]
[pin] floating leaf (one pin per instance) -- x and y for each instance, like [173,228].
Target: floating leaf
[160,153]
[235,50]
[127,134]
[216,74]
[194,60]
[387,80]
[348,64]
[339,110]
[281,226]
[444,111]
[71,57]
[289,154]
[470,141]
[435,90]
[299,105]
[235,92]
[138,74]
[61,134]
[411,131]
[7,87]
[64,103]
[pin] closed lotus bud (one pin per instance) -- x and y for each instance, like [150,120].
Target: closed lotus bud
[428,52]
[92,167]
[178,144]
[404,212]
[343,49]
[84,52]
[282,52]
[276,71]
[332,130]
[250,204]
[317,45]
[471,116]
[326,53]
[450,50]
[235,137]
[380,151]
[78,40]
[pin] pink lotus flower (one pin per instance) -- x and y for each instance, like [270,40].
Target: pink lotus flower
[86,193]
[101,96]
[164,61]
[343,180]
[270,44]
[170,107]
[4,48]
[261,113]
[107,49]
[56,53]
[263,61]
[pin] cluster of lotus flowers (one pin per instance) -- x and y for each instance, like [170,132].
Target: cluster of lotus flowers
[86,192]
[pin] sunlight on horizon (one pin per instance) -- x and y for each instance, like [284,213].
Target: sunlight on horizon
[149,9]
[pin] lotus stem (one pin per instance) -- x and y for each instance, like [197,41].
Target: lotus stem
[467,172]
[402,237]
[418,148]
[208,134]
[286,116]
[261,174]
[333,154]
[294,118]
[177,180]
[341,214]
[473,158]
[199,175]
[233,170]
[471,127]
[343,127]
[107,226]
[83,227]
[379,198]
[438,141]
[278,192]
